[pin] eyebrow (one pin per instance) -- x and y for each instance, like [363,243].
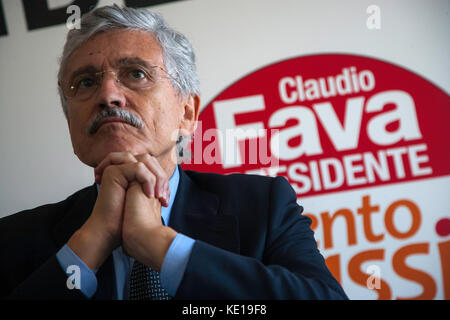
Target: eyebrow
[133,60]
[85,69]
[121,62]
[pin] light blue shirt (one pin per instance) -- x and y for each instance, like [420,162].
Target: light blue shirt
[172,270]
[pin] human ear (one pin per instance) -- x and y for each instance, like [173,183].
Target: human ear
[190,115]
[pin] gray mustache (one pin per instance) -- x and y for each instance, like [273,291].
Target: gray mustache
[128,117]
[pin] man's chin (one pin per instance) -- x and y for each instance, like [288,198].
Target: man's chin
[93,159]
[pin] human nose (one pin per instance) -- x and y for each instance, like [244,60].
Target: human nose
[110,93]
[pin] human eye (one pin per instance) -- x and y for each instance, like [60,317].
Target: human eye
[137,74]
[84,81]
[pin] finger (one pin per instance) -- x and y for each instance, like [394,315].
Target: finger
[123,175]
[165,194]
[162,191]
[112,158]
[167,188]
[159,190]
[139,172]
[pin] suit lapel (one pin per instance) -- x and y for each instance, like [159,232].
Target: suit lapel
[195,213]
[77,214]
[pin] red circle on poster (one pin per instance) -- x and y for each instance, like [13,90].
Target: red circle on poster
[326,122]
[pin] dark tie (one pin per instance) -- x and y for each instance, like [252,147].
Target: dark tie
[145,284]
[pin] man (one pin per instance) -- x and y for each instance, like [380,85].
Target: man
[147,229]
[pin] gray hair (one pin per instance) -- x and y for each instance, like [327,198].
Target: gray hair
[178,54]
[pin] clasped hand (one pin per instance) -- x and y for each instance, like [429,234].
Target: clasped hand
[127,211]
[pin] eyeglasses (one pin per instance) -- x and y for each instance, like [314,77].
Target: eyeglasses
[134,77]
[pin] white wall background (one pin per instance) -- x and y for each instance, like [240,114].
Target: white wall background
[231,37]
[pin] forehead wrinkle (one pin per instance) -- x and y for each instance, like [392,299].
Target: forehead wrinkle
[144,46]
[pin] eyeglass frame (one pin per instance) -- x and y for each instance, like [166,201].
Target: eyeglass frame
[98,83]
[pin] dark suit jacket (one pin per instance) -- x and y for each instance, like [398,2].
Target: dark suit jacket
[252,243]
